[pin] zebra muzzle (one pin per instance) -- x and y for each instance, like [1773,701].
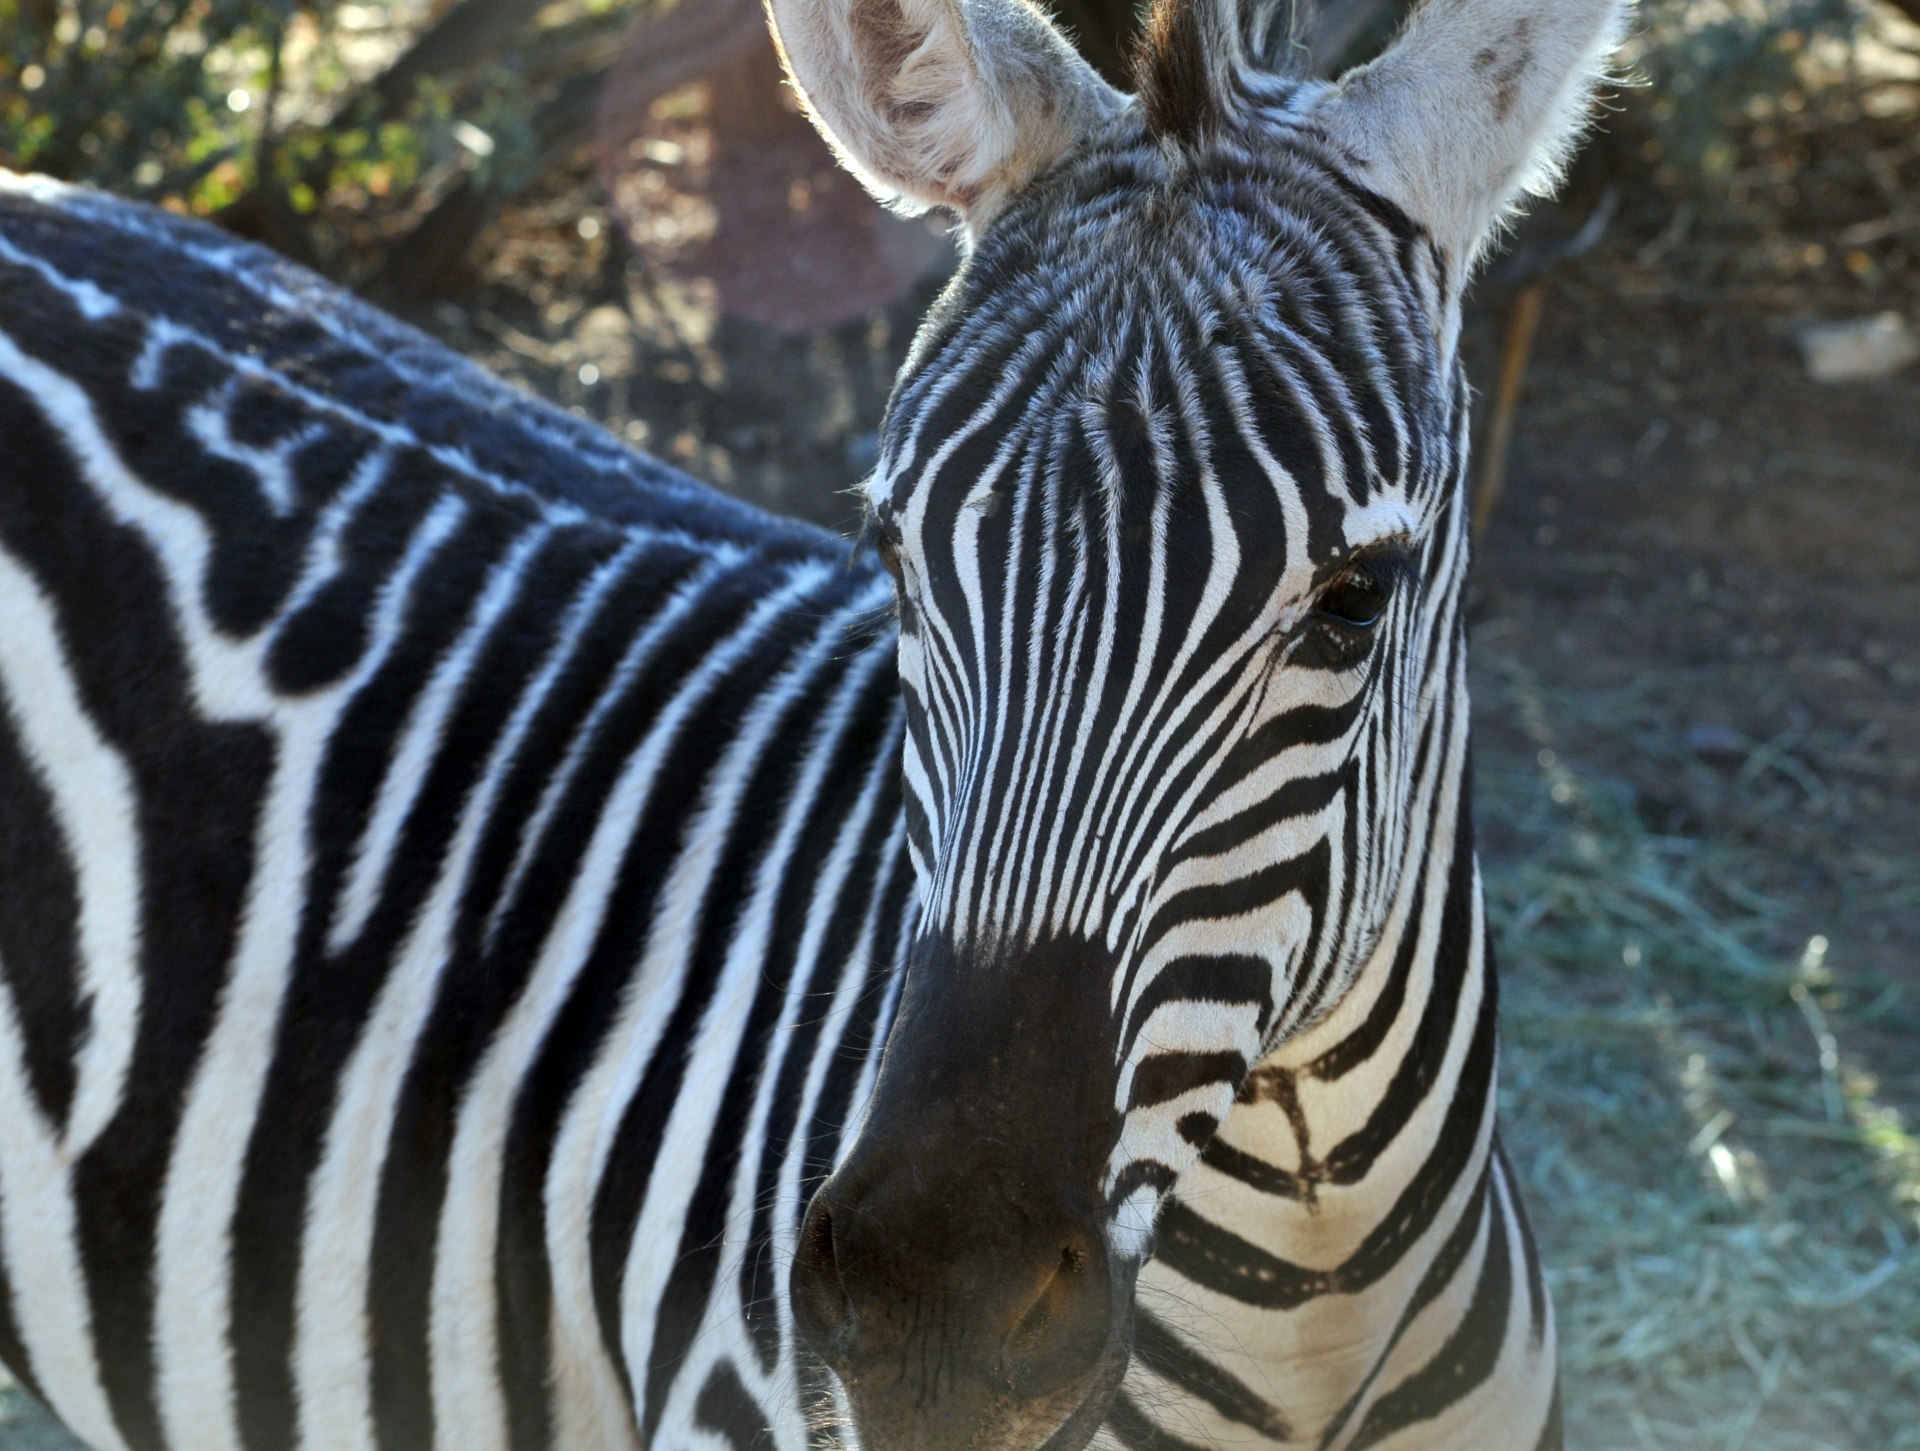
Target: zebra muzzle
[999,1341]
[955,1272]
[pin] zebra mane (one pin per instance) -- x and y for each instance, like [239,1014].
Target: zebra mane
[188,284]
[1197,57]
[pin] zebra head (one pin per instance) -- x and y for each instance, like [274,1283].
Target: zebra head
[1171,486]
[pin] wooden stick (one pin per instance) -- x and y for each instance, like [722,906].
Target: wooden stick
[1516,348]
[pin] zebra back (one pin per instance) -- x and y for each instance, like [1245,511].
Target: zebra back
[428,827]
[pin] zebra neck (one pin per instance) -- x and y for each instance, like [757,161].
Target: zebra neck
[1356,1107]
[1343,1208]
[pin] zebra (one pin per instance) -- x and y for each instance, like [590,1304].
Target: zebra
[502,947]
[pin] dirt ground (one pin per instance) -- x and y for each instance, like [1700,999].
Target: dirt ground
[1689,516]
[1698,617]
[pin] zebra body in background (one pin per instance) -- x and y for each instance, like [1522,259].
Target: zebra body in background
[396,836]
[502,947]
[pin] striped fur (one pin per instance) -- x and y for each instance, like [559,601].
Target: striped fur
[429,830]
[458,877]
[1276,844]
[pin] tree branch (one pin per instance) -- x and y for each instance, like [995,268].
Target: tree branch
[431,260]
[470,33]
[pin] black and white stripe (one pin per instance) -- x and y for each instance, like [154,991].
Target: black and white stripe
[1210,789]
[1130,726]
[453,875]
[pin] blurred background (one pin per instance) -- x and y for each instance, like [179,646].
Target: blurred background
[1696,615]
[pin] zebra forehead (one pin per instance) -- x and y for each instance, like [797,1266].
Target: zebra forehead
[1250,303]
[1251,209]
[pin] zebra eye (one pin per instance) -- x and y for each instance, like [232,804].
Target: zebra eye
[1356,600]
[889,553]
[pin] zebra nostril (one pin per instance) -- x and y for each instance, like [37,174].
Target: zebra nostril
[821,1307]
[1031,1326]
[1053,1328]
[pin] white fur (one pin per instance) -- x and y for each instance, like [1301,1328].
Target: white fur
[92,302]
[92,794]
[655,1247]
[332,1338]
[587,1132]
[690,1129]
[211,423]
[193,1277]
[39,1244]
[951,103]
[959,103]
[421,742]
[1478,102]
[587,735]
[468,1409]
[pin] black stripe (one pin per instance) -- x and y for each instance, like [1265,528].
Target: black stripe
[1227,978]
[1439,1275]
[1465,1362]
[1253,1171]
[725,1408]
[39,920]
[1553,1433]
[1453,964]
[476,992]
[1223,1261]
[760,1280]
[197,785]
[1138,1431]
[690,1284]
[1162,1351]
[1165,1076]
[1364,1041]
[236,296]
[658,841]
[1538,1306]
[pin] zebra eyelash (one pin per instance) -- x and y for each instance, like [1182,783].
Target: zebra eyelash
[1390,566]
[1332,635]
[875,534]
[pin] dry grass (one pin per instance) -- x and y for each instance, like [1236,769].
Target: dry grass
[1730,1208]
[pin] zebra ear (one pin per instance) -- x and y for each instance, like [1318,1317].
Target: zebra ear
[948,103]
[1477,102]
